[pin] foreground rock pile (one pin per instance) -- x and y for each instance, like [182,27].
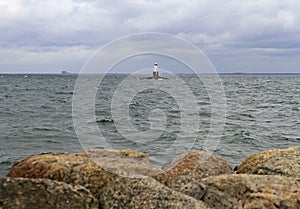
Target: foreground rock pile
[101,178]
[251,191]
[145,193]
[43,193]
[93,169]
[284,162]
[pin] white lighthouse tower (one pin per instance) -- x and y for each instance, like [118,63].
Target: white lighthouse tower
[155,71]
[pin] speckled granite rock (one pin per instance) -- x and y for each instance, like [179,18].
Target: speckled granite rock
[185,174]
[285,162]
[244,191]
[18,193]
[198,163]
[145,193]
[126,163]
[79,168]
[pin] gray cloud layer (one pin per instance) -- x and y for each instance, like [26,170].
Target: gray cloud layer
[235,34]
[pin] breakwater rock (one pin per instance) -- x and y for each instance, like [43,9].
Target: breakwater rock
[125,179]
[145,193]
[43,193]
[237,191]
[185,172]
[285,162]
[83,168]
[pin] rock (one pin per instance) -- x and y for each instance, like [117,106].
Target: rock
[82,169]
[18,193]
[185,172]
[126,163]
[241,191]
[285,162]
[145,193]
[187,185]
[198,163]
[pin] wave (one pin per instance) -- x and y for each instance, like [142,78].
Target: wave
[44,129]
[105,120]
[62,92]
[6,163]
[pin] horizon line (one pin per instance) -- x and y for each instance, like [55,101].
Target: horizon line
[177,73]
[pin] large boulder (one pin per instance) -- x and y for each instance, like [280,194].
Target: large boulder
[18,193]
[235,191]
[93,169]
[197,163]
[145,193]
[285,162]
[185,172]
[125,163]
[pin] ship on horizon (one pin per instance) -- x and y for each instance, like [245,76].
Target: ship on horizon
[65,72]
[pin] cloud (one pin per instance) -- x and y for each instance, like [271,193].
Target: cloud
[50,61]
[92,22]
[216,26]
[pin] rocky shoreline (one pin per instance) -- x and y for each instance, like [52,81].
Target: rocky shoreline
[101,178]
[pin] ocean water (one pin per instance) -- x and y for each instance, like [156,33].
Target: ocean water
[262,112]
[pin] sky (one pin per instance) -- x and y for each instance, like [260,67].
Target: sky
[46,36]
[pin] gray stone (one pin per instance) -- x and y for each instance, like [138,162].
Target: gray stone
[243,191]
[19,193]
[145,193]
[285,162]
[185,172]
[83,169]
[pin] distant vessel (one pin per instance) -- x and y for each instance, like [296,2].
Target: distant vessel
[64,72]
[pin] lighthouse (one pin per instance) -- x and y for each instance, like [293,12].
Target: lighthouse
[155,71]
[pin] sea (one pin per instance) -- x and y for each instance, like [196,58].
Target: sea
[261,112]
